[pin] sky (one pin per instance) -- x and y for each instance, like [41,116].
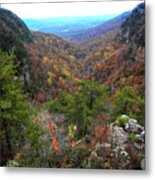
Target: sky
[44,10]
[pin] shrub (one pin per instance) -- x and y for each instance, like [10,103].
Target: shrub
[126,101]
[81,106]
[122,120]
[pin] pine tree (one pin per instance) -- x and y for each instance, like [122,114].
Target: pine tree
[14,113]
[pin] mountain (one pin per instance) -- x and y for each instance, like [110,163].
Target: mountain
[55,65]
[80,96]
[36,53]
[66,27]
[91,33]
[93,39]
[14,34]
[12,24]
[117,56]
[77,29]
[99,56]
[133,29]
[130,30]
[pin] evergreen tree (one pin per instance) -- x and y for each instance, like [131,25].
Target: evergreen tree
[14,113]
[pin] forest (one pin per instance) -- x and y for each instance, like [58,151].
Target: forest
[77,103]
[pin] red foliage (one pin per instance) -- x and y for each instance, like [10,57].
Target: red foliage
[40,97]
[49,127]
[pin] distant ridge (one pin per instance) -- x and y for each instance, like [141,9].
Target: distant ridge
[67,27]
[101,29]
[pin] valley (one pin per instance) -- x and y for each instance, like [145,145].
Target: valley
[67,27]
[75,94]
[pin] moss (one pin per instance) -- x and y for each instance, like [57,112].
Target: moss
[122,120]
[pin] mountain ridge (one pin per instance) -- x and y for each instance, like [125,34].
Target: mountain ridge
[66,26]
[100,29]
[77,29]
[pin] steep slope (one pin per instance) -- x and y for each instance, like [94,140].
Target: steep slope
[103,34]
[55,65]
[133,29]
[105,27]
[95,44]
[58,45]
[38,55]
[13,35]
[12,24]
[120,61]
[91,99]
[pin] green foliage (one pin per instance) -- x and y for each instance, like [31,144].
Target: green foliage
[34,153]
[61,104]
[128,102]
[14,25]
[122,120]
[81,106]
[133,137]
[14,34]
[132,33]
[16,127]
[87,103]
[53,106]
[12,163]
[56,73]
[14,109]
[34,132]
[76,158]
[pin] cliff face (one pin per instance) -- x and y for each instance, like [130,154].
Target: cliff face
[12,24]
[14,34]
[133,29]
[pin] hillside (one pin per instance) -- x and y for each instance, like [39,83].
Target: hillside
[121,53]
[78,29]
[66,27]
[105,27]
[14,34]
[130,28]
[93,39]
[53,60]
[94,44]
[74,105]
[32,49]
[10,23]
[58,45]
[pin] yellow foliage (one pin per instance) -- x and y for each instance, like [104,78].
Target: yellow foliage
[45,59]
[122,81]
[50,75]
[137,110]
[77,80]
[55,67]
[66,73]
[112,154]
[79,88]
[49,81]
[61,81]
[17,156]
[98,53]
[107,165]
[72,58]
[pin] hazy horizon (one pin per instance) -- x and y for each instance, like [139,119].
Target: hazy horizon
[59,17]
[50,10]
